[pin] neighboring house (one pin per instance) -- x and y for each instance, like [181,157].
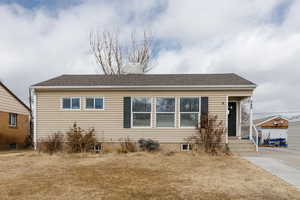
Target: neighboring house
[273,127]
[14,120]
[294,135]
[166,107]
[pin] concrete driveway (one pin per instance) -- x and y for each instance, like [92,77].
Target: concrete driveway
[281,162]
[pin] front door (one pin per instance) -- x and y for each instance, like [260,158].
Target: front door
[232,119]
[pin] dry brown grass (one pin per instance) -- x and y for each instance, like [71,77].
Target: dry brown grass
[140,175]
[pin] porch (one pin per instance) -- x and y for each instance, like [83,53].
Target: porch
[241,134]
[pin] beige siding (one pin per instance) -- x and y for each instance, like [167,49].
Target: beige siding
[8,103]
[109,122]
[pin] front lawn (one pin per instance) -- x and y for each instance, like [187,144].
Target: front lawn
[31,175]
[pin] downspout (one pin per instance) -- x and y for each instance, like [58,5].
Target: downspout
[33,114]
[226,122]
[251,119]
[31,118]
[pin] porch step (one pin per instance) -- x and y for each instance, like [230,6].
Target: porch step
[241,146]
[239,141]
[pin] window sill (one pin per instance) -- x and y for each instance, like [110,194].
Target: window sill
[142,127]
[165,127]
[87,109]
[71,110]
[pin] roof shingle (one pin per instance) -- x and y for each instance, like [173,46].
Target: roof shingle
[147,80]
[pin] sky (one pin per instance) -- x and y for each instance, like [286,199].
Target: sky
[259,40]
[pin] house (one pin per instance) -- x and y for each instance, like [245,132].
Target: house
[14,120]
[294,135]
[273,127]
[163,107]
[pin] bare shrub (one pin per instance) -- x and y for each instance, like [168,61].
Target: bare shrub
[209,135]
[80,140]
[126,146]
[53,144]
[148,144]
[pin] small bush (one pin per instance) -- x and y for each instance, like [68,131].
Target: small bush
[148,144]
[52,144]
[80,140]
[126,146]
[209,136]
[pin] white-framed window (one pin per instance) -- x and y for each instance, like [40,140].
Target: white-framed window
[186,147]
[141,111]
[94,103]
[189,112]
[165,112]
[71,103]
[12,119]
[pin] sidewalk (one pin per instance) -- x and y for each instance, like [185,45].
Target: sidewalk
[278,168]
[280,162]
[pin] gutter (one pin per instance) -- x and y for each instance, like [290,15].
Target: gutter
[152,87]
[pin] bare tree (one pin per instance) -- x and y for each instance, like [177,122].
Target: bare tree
[111,55]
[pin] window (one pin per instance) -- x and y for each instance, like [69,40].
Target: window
[189,111]
[12,120]
[141,112]
[165,112]
[94,103]
[97,147]
[71,103]
[186,147]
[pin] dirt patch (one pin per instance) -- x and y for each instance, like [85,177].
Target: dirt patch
[137,176]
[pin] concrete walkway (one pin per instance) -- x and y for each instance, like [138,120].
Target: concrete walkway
[280,162]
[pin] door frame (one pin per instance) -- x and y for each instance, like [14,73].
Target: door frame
[238,115]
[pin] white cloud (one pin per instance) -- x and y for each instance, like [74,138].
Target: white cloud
[214,36]
[238,37]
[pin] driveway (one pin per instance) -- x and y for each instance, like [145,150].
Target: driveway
[283,163]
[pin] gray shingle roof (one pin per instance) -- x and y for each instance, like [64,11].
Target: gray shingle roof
[147,80]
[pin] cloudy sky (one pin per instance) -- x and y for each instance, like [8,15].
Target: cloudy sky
[259,40]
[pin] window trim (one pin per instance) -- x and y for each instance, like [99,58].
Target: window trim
[179,113]
[155,112]
[94,109]
[151,112]
[16,117]
[70,109]
[189,147]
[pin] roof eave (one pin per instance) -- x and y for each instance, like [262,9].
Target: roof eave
[152,87]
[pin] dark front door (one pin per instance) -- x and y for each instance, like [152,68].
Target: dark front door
[232,119]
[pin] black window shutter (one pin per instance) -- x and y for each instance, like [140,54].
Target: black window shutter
[204,112]
[127,112]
